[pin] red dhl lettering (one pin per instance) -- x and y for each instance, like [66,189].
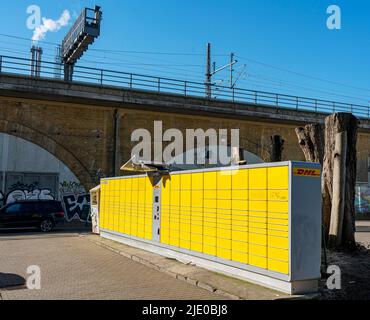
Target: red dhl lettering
[307,172]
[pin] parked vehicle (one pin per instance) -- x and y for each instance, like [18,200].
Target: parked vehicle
[41,214]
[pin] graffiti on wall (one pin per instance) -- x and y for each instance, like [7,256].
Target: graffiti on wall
[75,201]
[362,203]
[20,191]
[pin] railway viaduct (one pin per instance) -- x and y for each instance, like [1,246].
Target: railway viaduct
[88,127]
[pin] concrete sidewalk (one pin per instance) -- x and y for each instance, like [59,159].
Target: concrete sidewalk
[73,268]
[363,232]
[228,287]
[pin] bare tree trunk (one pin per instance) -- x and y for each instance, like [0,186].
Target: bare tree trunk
[334,124]
[318,147]
[339,188]
[277,147]
[311,140]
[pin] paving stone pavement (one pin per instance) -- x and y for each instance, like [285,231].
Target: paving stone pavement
[74,268]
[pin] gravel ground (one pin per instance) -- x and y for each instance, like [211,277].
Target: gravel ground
[355,272]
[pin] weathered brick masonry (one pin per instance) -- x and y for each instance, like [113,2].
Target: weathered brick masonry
[77,123]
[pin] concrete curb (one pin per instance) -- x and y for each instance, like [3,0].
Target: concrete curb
[230,288]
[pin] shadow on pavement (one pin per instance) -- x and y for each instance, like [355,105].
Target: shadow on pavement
[65,229]
[10,281]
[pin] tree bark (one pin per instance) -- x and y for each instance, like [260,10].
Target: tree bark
[311,141]
[334,124]
[339,188]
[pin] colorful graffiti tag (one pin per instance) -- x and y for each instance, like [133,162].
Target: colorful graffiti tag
[19,192]
[75,201]
[362,203]
[77,207]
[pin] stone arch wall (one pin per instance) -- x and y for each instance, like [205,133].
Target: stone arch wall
[255,137]
[50,145]
[81,136]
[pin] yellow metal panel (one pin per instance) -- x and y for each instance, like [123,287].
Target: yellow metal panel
[122,196]
[239,215]
[197,242]
[278,222]
[141,209]
[185,218]
[240,246]
[197,203]
[134,201]
[106,204]
[175,228]
[260,239]
[224,253]
[278,254]
[277,233]
[278,266]
[240,235]
[197,181]
[102,204]
[128,206]
[175,181]
[186,181]
[224,209]
[278,242]
[258,195]
[259,250]
[278,177]
[175,185]
[257,228]
[240,256]
[256,206]
[185,197]
[165,235]
[239,205]
[257,261]
[116,216]
[210,180]
[185,241]
[210,214]
[278,207]
[278,195]
[148,208]
[280,228]
[282,216]
[240,179]
[258,179]
[224,180]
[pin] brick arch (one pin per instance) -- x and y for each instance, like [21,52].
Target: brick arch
[56,149]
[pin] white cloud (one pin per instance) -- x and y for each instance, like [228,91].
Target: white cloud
[49,25]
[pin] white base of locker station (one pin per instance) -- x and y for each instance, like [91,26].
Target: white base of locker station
[290,287]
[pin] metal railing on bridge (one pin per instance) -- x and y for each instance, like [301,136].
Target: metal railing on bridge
[15,65]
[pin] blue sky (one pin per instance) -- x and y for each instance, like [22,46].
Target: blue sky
[271,37]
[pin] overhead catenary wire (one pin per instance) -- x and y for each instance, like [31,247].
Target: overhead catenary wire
[189,71]
[303,75]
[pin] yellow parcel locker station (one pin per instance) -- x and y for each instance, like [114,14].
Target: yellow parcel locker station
[260,222]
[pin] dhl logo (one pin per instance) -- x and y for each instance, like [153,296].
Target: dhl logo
[304,172]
